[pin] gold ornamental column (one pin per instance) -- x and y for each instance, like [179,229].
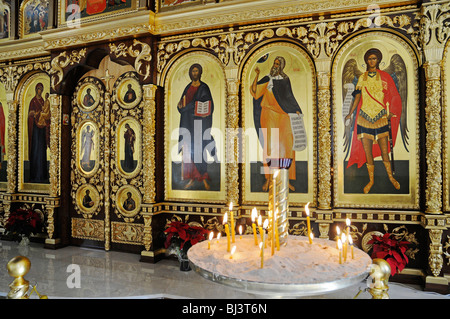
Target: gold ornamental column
[53,200]
[11,168]
[148,145]
[232,143]
[433,39]
[107,159]
[324,214]
[433,143]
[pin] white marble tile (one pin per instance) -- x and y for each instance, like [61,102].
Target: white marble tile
[121,275]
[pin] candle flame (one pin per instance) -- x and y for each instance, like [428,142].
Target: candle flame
[347,221]
[339,244]
[211,235]
[233,250]
[260,245]
[338,230]
[240,229]
[225,218]
[259,220]
[254,214]
[344,238]
[307,209]
[311,235]
[218,236]
[231,206]
[266,224]
[350,240]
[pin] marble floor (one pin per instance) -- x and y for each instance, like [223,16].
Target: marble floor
[121,275]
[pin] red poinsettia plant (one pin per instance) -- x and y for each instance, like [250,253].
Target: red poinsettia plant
[387,247]
[183,235]
[23,222]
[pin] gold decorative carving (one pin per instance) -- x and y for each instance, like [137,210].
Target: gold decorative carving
[435,259]
[324,136]
[88,229]
[324,230]
[55,138]
[107,159]
[92,35]
[148,239]
[433,189]
[62,61]
[78,177]
[433,30]
[446,247]
[232,154]
[126,233]
[148,143]
[256,11]
[12,142]
[143,56]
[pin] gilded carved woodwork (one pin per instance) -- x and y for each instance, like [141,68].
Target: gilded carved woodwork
[435,258]
[88,229]
[147,239]
[107,159]
[121,114]
[81,118]
[433,190]
[127,233]
[232,153]
[148,143]
[446,250]
[63,60]
[324,145]
[143,56]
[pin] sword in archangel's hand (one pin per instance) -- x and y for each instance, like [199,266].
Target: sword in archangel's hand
[391,142]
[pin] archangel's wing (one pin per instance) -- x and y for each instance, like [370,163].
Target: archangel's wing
[350,76]
[397,70]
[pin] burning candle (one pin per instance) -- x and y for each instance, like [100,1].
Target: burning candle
[266,224]
[260,227]
[254,214]
[227,230]
[311,237]
[233,231]
[240,231]
[232,251]
[211,235]
[347,229]
[344,246]
[338,234]
[350,241]
[218,237]
[340,250]
[308,222]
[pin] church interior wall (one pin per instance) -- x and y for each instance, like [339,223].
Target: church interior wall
[149,47]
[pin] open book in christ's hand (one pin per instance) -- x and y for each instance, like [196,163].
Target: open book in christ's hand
[202,108]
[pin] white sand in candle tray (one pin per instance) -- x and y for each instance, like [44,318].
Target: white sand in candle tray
[298,262]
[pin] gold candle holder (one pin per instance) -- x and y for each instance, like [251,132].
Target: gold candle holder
[278,196]
[380,271]
[18,267]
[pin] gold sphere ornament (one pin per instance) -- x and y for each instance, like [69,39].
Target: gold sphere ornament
[18,267]
[380,272]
